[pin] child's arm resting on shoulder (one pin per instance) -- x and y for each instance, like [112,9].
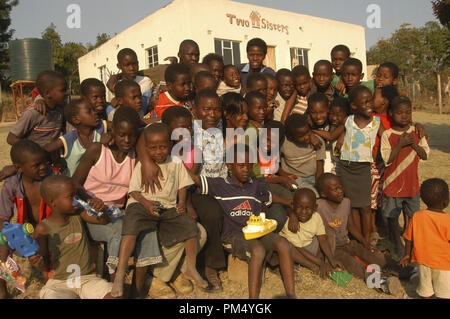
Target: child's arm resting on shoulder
[151,172]
[54,145]
[12,138]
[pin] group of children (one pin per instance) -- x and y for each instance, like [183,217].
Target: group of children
[334,158]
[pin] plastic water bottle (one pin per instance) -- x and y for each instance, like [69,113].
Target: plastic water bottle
[115,212]
[88,208]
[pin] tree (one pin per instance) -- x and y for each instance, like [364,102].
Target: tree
[5,33]
[441,10]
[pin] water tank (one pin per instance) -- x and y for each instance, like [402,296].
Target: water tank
[29,57]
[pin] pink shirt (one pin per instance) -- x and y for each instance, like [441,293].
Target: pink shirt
[109,180]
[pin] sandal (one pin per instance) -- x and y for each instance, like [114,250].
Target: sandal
[212,276]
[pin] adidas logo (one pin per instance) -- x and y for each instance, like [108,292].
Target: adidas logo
[244,209]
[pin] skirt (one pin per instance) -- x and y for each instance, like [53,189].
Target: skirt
[357,182]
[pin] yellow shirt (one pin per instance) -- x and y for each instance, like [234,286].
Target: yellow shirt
[305,235]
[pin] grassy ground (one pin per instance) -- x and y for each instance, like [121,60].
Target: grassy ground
[311,286]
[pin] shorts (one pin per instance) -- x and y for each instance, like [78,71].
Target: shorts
[172,227]
[90,287]
[240,247]
[433,282]
[392,206]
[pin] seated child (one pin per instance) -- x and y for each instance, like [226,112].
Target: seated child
[427,241]
[298,159]
[63,242]
[215,63]
[128,93]
[94,91]
[39,128]
[256,53]
[233,193]
[272,91]
[128,65]
[322,77]
[256,82]
[310,238]
[88,129]
[169,217]
[231,80]
[286,87]
[188,53]
[354,254]
[298,102]
[204,80]
[401,149]
[339,54]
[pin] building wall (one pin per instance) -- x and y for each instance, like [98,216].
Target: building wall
[205,20]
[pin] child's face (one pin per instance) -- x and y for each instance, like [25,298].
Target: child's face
[209,111]
[181,122]
[260,86]
[337,60]
[216,68]
[125,136]
[158,147]
[181,88]
[337,116]
[319,113]
[57,96]
[385,77]
[86,116]
[363,104]
[189,55]
[255,57]
[241,168]
[132,97]
[34,166]
[96,96]
[239,120]
[302,135]
[286,87]
[352,76]
[333,190]
[257,110]
[380,103]
[304,206]
[272,89]
[63,202]
[231,77]
[206,83]
[303,85]
[269,112]
[402,115]
[129,66]
[323,75]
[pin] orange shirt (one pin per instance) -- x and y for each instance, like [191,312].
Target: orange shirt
[430,233]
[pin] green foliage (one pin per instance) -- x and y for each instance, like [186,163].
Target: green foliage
[5,35]
[101,38]
[441,10]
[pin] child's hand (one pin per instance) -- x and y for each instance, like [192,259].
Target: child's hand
[114,102]
[39,105]
[191,211]
[36,261]
[171,59]
[107,139]
[288,182]
[150,207]
[324,270]
[420,130]
[340,86]
[293,225]
[96,203]
[181,209]
[315,142]
[405,261]
[406,139]
[337,265]
[7,171]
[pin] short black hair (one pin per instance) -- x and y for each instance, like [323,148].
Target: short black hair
[255,77]
[229,66]
[353,62]
[126,114]
[341,102]
[87,84]
[270,76]
[318,97]
[433,191]
[72,109]
[203,75]
[175,112]
[187,43]
[355,91]
[257,42]
[124,52]
[253,95]
[123,85]
[205,93]
[207,59]
[174,70]
[341,48]
[325,63]
[391,66]
[283,73]
[281,129]
[389,92]
[323,179]
[50,186]
[46,80]
[232,103]
[300,70]
[156,128]
[295,121]
[22,147]
[400,100]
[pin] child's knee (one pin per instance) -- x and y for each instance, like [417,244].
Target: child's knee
[258,252]
[281,245]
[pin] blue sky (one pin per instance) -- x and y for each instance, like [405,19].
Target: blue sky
[31,17]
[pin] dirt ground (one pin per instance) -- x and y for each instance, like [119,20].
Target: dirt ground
[310,285]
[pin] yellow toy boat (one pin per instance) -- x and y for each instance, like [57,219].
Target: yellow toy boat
[258,226]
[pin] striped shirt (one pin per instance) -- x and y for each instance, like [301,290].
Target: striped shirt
[224,88]
[301,105]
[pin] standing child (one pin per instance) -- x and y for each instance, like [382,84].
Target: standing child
[257,109]
[298,102]
[352,75]
[286,87]
[401,149]
[322,77]
[272,91]
[188,53]
[339,110]
[339,54]
[428,241]
[215,63]
[256,82]
[63,242]
[128,93]
[94,91]
[231,81]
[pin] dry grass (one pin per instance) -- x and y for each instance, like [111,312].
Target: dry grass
[311,286]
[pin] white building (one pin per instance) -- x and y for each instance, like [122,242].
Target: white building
[225,27]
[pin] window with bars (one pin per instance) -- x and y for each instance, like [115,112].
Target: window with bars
[152,56]
[299,56]
[229,50]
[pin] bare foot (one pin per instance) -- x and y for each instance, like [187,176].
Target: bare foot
[117,288]
[195,276]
